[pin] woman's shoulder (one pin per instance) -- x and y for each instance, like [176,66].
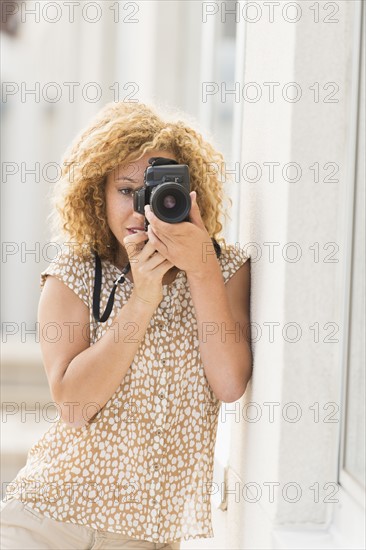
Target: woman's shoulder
[70,256]
[232,257]
[72,265]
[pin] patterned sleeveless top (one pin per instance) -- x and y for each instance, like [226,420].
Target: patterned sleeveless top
[143,465]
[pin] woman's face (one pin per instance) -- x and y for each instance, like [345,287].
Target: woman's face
[119,201]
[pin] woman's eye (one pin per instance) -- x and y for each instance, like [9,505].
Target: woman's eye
[125,191]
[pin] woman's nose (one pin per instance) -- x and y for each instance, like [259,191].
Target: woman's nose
[137,217]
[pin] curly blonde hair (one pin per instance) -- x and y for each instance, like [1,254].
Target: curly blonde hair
[120,133]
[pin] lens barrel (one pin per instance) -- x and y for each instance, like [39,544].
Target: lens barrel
[170,202]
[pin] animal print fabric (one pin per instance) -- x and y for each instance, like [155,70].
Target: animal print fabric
[143,466]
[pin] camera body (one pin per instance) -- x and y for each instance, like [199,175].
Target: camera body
[166,189]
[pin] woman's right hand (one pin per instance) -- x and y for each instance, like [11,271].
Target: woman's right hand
[148,268]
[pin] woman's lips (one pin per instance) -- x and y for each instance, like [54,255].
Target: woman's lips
[132,230]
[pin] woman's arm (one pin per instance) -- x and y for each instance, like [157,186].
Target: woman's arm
[223,319]
[82,378]
[222,313]
[79,374]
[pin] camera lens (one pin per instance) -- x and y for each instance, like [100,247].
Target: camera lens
[170,202]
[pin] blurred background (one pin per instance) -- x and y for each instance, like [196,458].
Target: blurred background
[279,88]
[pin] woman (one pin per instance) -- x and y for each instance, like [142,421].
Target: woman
[129,462]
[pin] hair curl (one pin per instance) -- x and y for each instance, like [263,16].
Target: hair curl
[123,132]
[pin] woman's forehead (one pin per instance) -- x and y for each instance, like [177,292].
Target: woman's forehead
[137,167]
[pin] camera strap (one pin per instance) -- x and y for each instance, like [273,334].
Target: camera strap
[97,288]
[120,279]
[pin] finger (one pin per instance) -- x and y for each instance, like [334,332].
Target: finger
[163,267]
[194,213]
[134,246]
[148,250]
[134,243]
[157,259]
[156,242]
[159,227]
[135,237]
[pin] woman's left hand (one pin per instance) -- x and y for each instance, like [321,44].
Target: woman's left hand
[187,245]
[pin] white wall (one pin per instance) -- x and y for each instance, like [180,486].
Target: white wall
[304,292]
[38,130]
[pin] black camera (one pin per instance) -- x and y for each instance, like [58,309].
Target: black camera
[166,190]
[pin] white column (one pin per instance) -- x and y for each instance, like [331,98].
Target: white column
[303,295]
